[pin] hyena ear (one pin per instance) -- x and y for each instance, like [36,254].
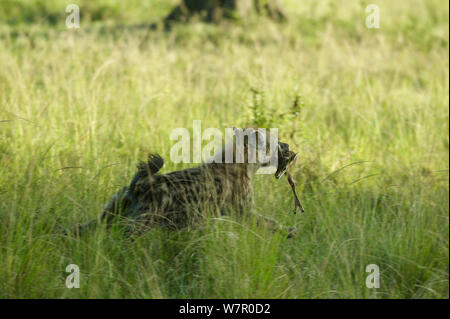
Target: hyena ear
[256,138]
[237,131]
[260,138]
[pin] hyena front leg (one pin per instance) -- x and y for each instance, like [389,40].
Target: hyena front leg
[273,225]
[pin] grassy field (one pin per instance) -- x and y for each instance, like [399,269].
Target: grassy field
[79,108]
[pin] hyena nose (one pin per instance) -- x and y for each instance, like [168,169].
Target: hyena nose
[284,147]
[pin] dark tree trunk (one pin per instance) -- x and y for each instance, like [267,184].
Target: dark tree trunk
[216,10]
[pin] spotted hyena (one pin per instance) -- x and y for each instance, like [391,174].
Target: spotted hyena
[184,198]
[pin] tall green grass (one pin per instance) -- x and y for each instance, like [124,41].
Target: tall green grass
[79,109]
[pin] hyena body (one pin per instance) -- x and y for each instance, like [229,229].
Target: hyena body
[183,198]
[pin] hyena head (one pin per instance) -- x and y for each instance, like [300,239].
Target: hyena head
[256,148]
[264,147]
